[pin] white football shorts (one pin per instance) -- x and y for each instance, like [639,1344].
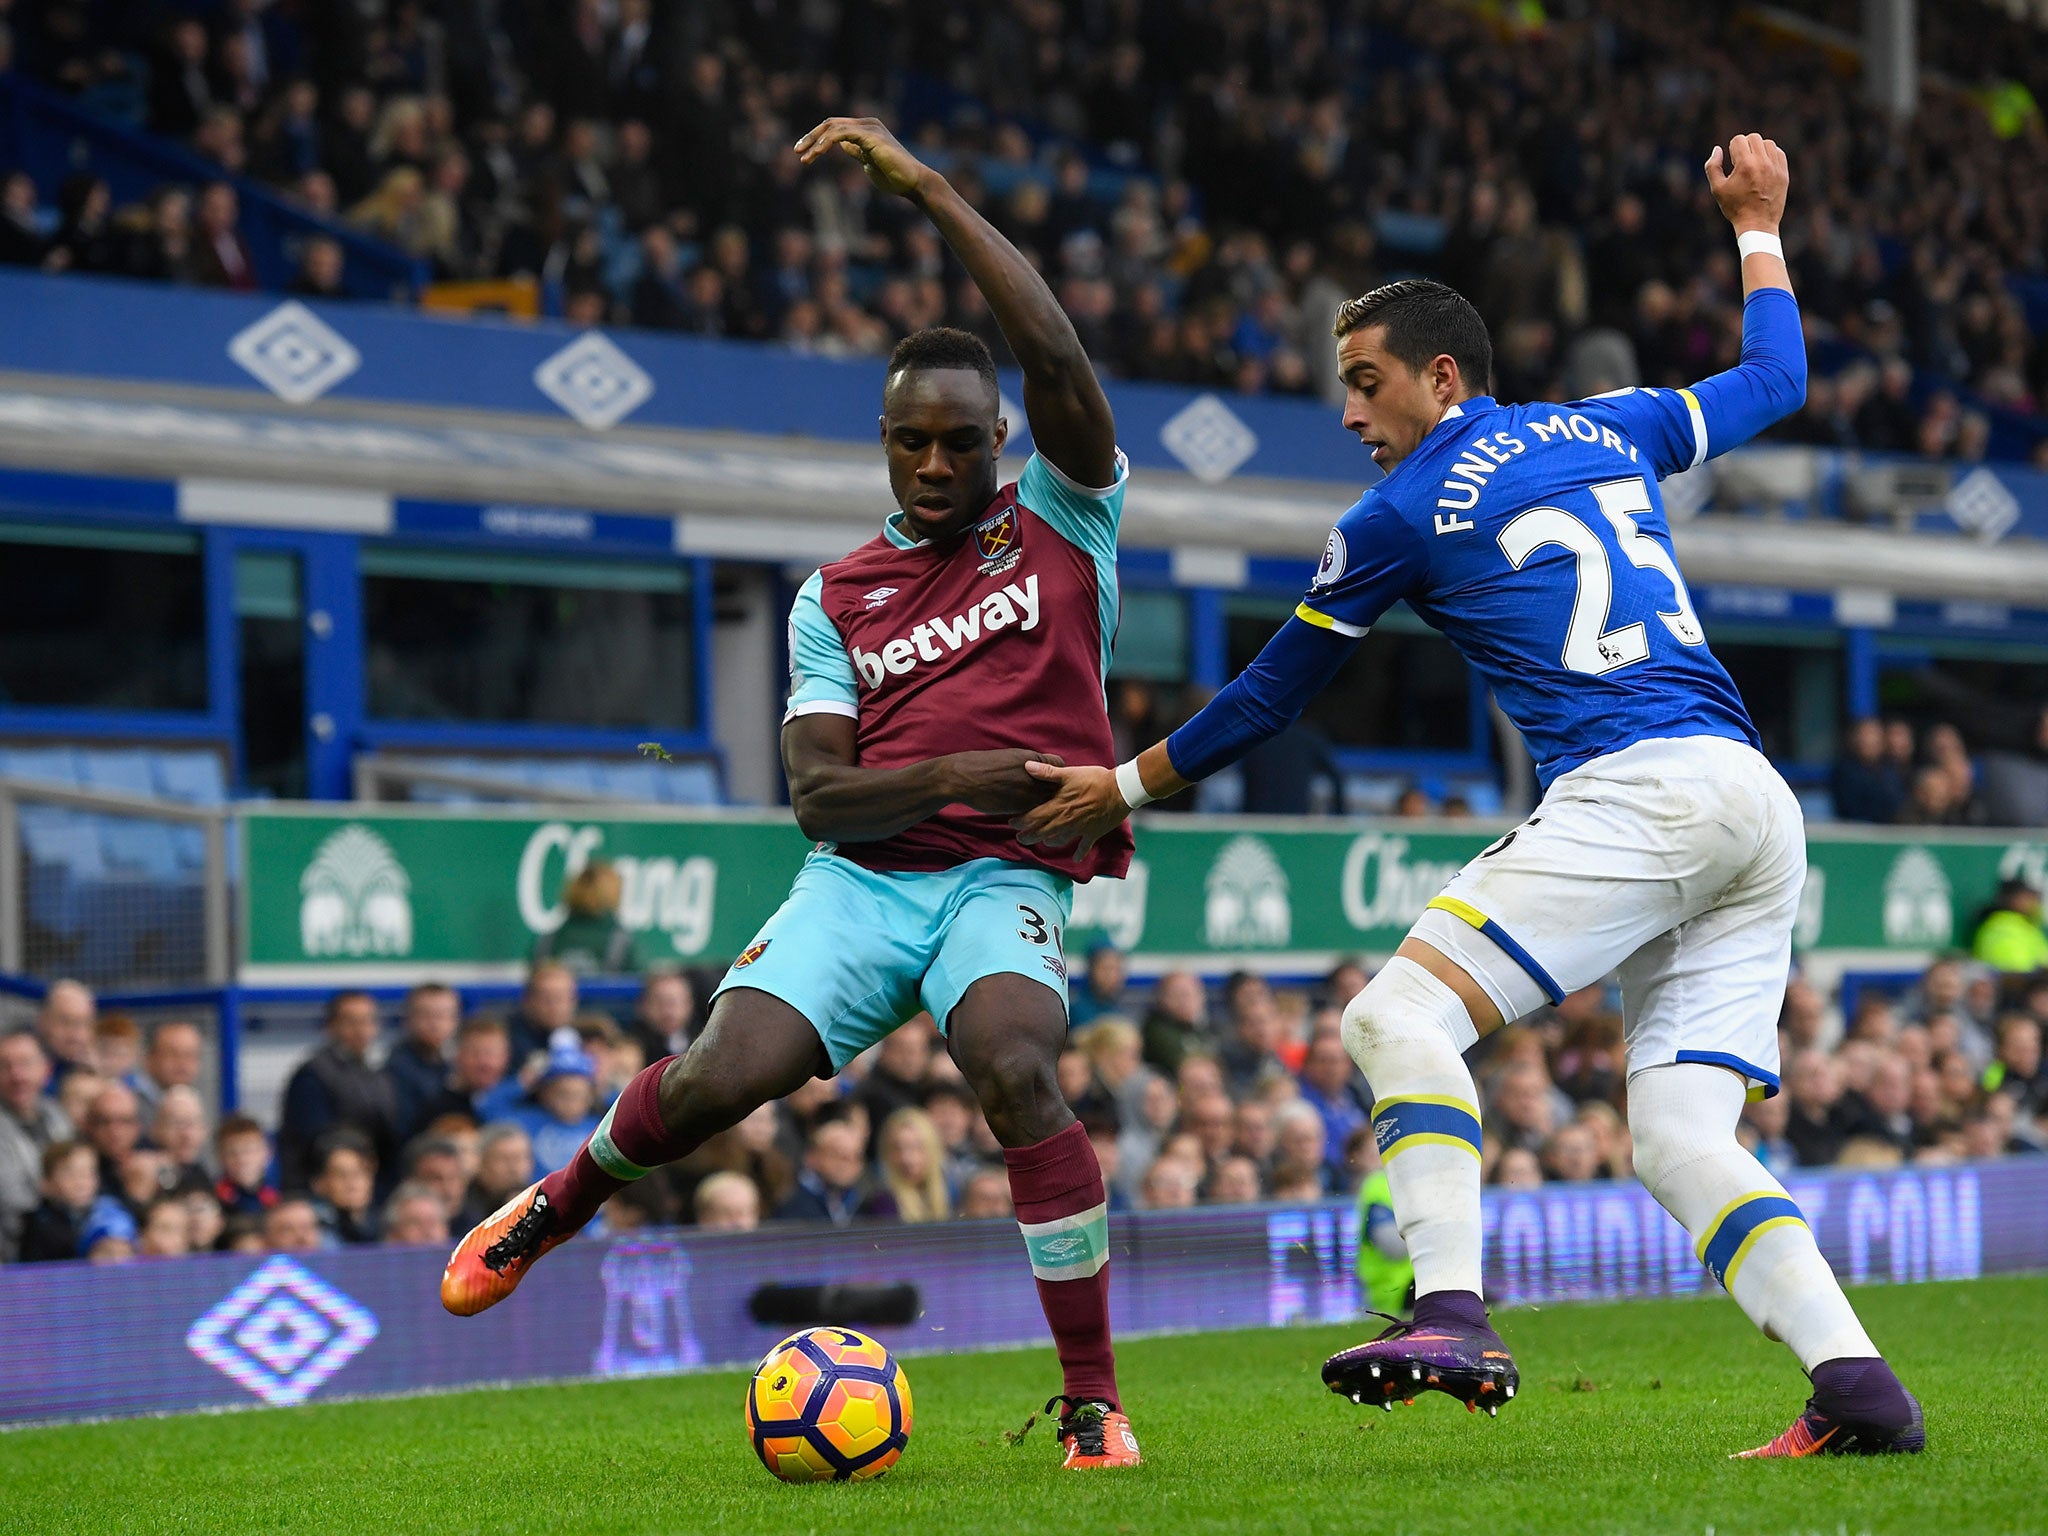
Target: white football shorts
[1676,861]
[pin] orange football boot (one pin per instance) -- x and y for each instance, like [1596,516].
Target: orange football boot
[1095,1434]
[1814,1433]
[488,1265]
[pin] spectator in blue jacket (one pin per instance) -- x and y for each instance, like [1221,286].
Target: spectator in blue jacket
[1331,1086]
[563,1112]
[1102,986]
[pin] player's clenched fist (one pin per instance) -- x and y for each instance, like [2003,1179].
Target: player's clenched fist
[889,165]
[1751,190]
[998,783]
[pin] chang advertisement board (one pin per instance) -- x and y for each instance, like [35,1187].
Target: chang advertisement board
[401,893]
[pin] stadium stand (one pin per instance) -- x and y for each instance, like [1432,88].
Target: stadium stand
[1203,183]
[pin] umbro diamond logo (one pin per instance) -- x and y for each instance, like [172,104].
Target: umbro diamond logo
[594,381]
[1209,439]
[879,596]
[282,1332]
[294,354]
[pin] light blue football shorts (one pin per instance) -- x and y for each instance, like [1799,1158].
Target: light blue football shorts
[858,951]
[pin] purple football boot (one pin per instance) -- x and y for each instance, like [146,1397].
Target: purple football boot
[1450,1348]
[1858,1408]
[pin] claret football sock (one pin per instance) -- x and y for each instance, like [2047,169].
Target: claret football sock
[1744,1227]
[1063,1211]
[628,1144]
[1407,1031]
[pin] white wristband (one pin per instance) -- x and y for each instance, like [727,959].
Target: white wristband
[1760,242]
[1131,786]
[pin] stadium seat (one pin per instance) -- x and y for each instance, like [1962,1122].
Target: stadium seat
[121,773]
[633,781]
[49,765]
[193,777]
[691,783]
[580,777]
[136,846]
[65,838]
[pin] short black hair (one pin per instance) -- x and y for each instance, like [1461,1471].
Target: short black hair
[347,995]
[343,1138]
[944,346]
[1424,320]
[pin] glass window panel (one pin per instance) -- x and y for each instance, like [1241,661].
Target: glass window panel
[1152,638]
[102,618]
[528,640]
[1791,684]
[266,585]
[1994,694]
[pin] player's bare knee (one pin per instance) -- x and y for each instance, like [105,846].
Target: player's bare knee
[703,1094]
[1020,1094]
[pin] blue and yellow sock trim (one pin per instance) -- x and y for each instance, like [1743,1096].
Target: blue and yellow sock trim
[1731,1234]
[1422,1120]
[1466,912]
[1762,1084]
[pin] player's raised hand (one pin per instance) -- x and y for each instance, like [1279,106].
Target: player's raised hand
[889,165]
[1751,188]
[1084,806]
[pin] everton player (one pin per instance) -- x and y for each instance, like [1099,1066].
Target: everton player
[1665,846]
[928,668]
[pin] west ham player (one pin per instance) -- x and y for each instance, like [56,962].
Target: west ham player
[1666,845]
[928,668]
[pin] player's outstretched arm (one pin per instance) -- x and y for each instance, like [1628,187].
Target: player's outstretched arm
[837,801]
[1255,706]
[1070,417]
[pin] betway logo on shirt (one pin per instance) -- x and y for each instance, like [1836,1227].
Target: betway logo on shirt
[935,639]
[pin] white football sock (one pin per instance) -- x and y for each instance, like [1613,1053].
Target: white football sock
[1406,1031]
[1743,1224]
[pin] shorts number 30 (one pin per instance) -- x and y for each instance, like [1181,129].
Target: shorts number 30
[1036,930]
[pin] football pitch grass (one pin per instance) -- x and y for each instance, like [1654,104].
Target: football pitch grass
[1623,1424]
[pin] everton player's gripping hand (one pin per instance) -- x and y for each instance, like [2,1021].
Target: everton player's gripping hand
[889,165]
[1084,805]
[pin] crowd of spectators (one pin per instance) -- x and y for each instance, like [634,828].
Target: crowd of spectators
[1190,1096]
[1889,773]
[1201,182]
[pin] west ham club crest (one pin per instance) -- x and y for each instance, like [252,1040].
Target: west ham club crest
[1000,540]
